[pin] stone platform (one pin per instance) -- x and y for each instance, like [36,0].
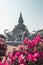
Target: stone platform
[13,43]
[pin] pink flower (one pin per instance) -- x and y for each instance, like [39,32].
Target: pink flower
[17,53]
[23,64]
[6,63]
[25,41]
[36,54]
[13,58]
[29,57]
[25,51]
[1,63]
[36,39]
[34,59]
[21,59]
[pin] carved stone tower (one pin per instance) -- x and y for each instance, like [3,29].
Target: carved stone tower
[19,32]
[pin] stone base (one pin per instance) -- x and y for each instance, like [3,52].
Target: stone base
[13,43]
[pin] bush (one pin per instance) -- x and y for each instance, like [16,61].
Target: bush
[28,53]
[3,48]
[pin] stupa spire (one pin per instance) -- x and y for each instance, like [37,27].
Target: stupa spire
[20,19]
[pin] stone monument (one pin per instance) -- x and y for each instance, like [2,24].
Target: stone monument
[19,32]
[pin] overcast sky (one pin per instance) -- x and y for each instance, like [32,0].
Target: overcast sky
[32,12]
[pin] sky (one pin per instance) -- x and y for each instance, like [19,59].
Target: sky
[32,12]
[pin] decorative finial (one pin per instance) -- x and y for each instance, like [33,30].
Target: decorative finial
[20,14]
[20,19]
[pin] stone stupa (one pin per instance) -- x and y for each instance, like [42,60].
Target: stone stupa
[19,32]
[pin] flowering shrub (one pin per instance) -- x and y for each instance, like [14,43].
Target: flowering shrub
[28,53]
[3,48]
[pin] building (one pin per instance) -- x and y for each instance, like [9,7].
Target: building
[19,32]
[39,32]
